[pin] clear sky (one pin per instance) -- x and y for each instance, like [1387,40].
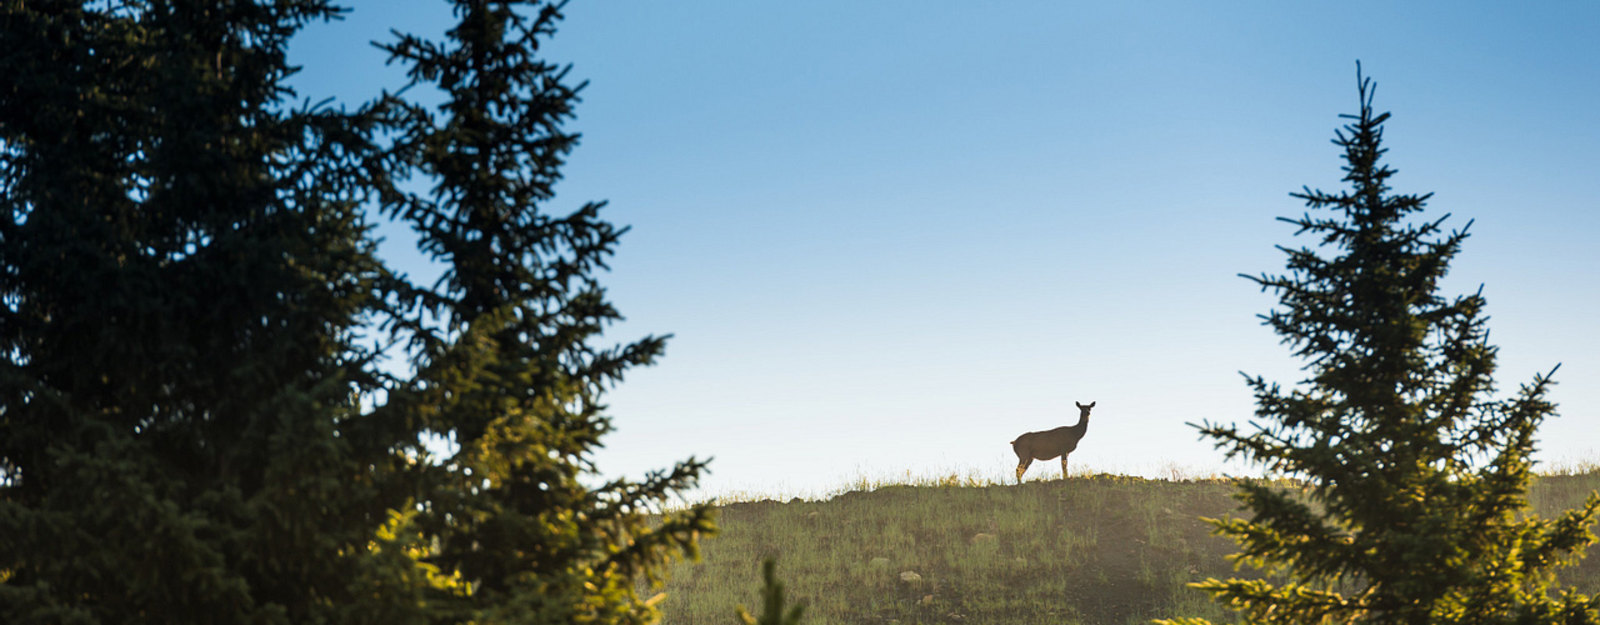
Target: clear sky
[890,236]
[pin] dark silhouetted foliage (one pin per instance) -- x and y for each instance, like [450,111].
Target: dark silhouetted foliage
[194,425]
[1414,506]
[509,371]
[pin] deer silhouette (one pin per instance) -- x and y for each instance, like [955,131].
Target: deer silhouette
[1051,443]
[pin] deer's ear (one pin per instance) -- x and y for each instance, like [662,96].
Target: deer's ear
[1091,405]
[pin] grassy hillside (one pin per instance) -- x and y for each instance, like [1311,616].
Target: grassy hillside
[1095,550]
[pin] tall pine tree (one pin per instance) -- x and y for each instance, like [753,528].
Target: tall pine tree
[1413,507]
[505,343]
[193,426]
[183,276]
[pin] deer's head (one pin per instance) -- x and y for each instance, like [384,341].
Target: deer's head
[1083,411]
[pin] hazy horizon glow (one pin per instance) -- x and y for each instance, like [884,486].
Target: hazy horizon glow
[889,237]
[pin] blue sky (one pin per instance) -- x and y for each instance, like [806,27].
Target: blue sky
[890,236]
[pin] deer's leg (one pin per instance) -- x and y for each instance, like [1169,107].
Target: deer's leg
[1022,467]
[1063,466]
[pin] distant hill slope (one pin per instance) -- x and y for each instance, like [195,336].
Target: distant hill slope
[1101,550]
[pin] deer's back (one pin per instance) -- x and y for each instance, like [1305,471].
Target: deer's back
[1047,444]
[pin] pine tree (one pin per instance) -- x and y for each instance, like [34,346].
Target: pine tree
[194,426]
[183,271]
[1413,476]
[510,372]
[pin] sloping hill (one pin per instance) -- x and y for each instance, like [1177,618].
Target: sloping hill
[1095,550]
